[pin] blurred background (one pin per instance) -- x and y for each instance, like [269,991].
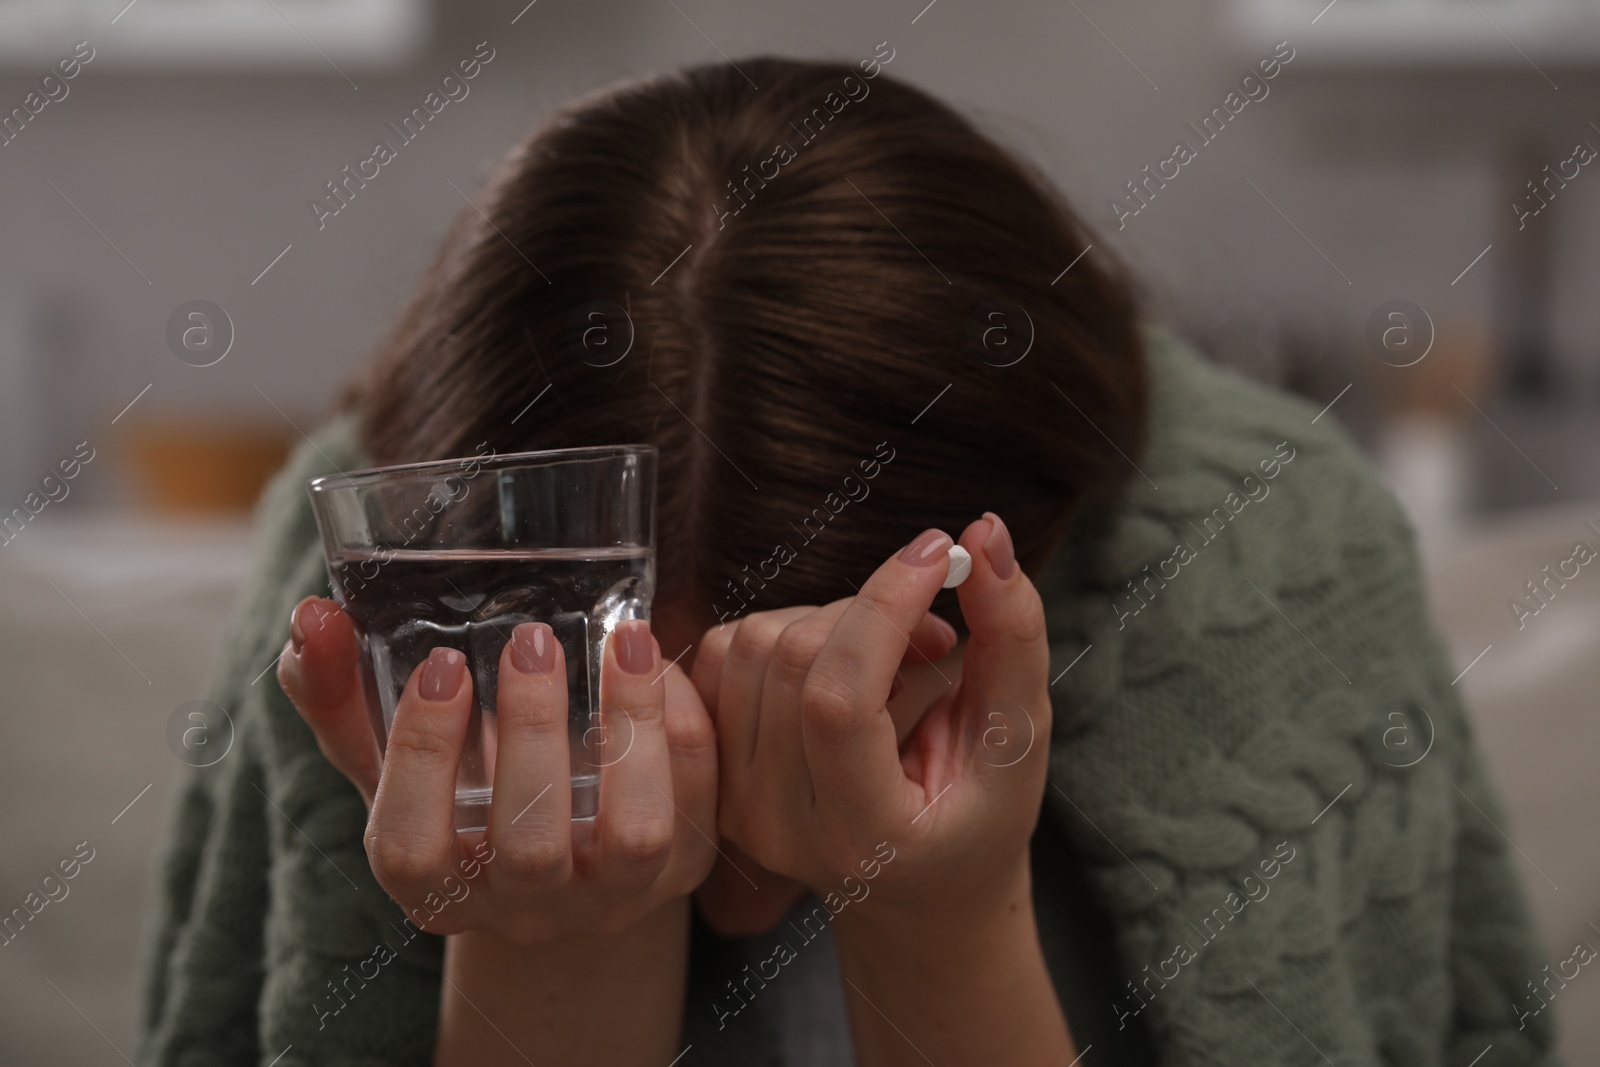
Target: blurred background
[1402,230]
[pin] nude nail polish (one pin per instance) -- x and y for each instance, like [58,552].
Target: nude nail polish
[636,653]
[929,547]
[533,648]
[997,546]
[442,674]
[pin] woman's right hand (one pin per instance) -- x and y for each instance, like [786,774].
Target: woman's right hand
[546,877]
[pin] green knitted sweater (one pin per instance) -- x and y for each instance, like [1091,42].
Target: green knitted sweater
[1266,838]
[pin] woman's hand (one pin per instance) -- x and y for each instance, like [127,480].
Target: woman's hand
[542,875]
[814,775]
[742,898]
[558,916]
[911,822]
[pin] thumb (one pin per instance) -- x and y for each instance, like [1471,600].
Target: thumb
[320,673]
[1007,660]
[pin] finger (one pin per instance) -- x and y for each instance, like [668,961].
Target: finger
[708,658]
[931,640]
[780,760]
[320,672]
[635,825]
[783,797]
[691,747]
[935,639]
[744,672]
[849,737]
[411,835]
[530,818]
[1007,658]
[692,755]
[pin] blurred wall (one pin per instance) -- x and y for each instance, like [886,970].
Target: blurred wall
[202,179]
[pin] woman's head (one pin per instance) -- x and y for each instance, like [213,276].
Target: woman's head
[838,310]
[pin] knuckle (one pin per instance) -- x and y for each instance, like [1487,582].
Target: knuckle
[1028,627]
[882,606]
[711,654]
[1019,622]
[827,707]
[691,734]
[717,639]
[640,843]
[755,637]
[421,744]
[531,729]
[535,855]
[403,864]
[797,647]
[640,706]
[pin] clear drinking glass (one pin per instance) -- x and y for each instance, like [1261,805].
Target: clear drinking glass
[457,553]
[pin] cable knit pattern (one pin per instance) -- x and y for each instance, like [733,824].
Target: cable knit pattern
[1248,706]
[1274,690]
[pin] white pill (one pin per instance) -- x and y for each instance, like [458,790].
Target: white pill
[960,566]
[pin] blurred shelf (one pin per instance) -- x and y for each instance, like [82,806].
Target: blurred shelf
[203,465]
[106,551]
[216,34]
[1420,33]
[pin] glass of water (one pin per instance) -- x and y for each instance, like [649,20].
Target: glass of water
[457,553]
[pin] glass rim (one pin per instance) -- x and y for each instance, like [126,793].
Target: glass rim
[370,476]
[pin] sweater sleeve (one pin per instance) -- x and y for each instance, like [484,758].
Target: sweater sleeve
[1492,954]
[203,962]
[1492,950]
[1262,764]
[268,915]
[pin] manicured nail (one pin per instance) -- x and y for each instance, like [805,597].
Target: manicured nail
[997,546]
[636,652]
[297,632]
[442,674]
[533,648]
[929,547]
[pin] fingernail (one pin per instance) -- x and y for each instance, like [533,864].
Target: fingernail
[636,652]
[297,633]
[1002,556]
[533,648]
[442,674]
[311,614]
[929,547]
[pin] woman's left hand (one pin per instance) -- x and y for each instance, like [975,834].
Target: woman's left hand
[814,781]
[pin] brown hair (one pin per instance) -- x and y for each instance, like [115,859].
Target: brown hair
[812,297]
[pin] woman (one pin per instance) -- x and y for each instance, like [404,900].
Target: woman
[1140,785]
